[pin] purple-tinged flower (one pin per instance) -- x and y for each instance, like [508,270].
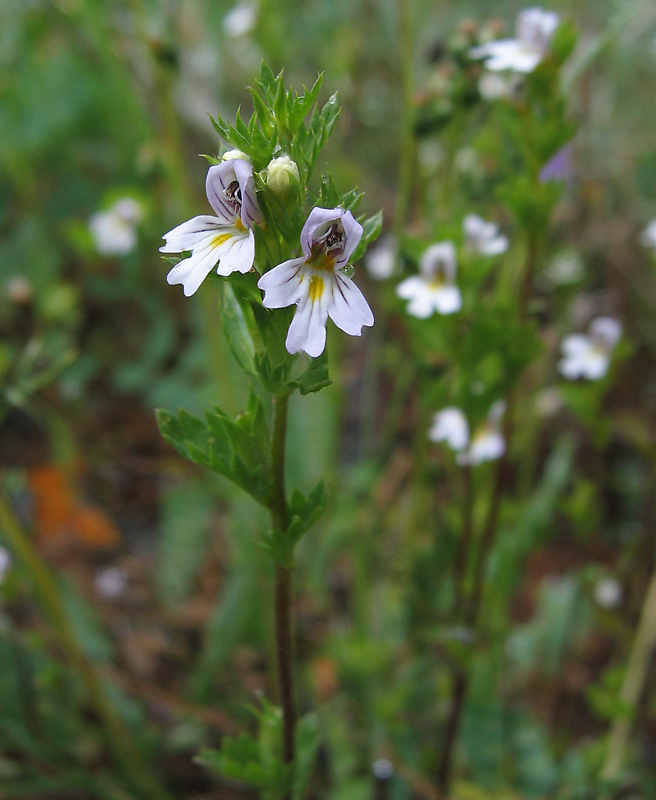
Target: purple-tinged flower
[535,29]
[225,240]
[559,167]
[589,356]
[317,282]
[434,288]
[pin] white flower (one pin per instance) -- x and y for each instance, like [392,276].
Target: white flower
[381,260]
[535,29]
[111,582]
[5,563]
[608,592]
[114,230]
[648,236]
[483,237]
[450,425]
[317,283]
[492,86]
[487,444]
[434,288]
[589,356]
[240,20]
[227,239]
[567,267]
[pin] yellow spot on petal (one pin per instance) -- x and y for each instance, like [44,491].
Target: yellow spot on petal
[320,260]
[222,238]
[240,225]
[316,288]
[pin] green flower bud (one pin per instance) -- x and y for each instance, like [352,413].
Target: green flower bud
[282,176]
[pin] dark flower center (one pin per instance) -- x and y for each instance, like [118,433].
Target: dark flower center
[233,195]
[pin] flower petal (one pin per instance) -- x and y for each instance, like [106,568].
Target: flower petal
[411,287]
[250,210]
[192,271]
[282,284]
[219,177]
[447,299]
[308,329]
[439,259]
[349,309]
[322,217]
[237,254]
[450,425]
[190,234]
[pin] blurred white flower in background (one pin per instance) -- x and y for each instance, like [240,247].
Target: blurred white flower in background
[19,290]
[535,29]
[450,425]
[434,288]
[114,230]
[110,582]
[381,260]
[589,356]
[608,593]
[549,401]
[5,563]
[240,20]
[483,237]
[648,236]
[487,444]
[567,267]
[493,86]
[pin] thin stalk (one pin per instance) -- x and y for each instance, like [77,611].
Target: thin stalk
[445,768]
[119,737]
[464,545]
[633,685]
[283,581]
[406,155]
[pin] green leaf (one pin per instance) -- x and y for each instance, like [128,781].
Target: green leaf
[238,450]
[372,228]
[315,376]
[236,331]
[308,740]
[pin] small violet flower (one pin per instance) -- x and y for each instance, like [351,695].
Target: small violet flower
[483,237]
[434,288]
[559,168]
[487,444]
[226,240]
[114,230]
[535,29]
[318,284]
[589,356]
[648,236]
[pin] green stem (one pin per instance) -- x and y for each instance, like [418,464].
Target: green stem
[633,684]
[120,740]
[283,581]
[464,545]
[406,156]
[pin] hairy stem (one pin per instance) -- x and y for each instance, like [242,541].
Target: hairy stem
[283,582]
[119,737]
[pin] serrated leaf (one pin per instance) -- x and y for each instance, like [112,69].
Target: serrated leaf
[371,230]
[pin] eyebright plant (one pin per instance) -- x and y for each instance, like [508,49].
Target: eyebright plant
[271,234]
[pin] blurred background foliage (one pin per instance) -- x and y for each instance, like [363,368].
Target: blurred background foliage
[162,585]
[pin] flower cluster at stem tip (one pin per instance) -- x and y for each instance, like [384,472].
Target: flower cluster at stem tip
[318,282]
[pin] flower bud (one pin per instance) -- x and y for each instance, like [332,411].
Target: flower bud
[282,176]
[235,154]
